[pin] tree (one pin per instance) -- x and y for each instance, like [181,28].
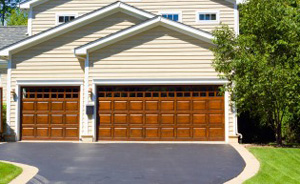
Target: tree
[6,6]
[17,18]
[262,64]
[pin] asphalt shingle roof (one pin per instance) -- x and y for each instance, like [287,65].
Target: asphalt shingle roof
[11,34]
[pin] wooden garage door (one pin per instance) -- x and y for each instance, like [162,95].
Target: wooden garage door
[161,113]
[50,113]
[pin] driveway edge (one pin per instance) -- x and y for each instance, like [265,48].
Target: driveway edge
[27,174]
[251,168]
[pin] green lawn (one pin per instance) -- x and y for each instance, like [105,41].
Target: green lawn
[8,172]
[277,165]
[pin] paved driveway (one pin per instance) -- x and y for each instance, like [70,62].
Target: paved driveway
[127,163]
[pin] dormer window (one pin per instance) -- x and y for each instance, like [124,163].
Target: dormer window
[63,18]
[207,17]
[175,16]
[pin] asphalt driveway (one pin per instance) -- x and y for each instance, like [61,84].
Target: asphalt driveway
[126,163]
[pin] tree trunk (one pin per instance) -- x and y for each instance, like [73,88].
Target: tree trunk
[279,134]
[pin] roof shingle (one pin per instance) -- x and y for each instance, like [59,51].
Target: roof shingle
[11,34]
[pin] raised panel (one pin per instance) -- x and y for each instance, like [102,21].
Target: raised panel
[120,132]
[183,132]
[105,132]
[136,118]
[56,132]
[105,105]
[71,118]
[152,105]
[183,105]
[216,132]
[136,105]
[42,119]
[167,133]
[27,118]
[183,119]
[120,118]
[152,132]
[71,132]
[215,104]
[27,131]
[42,106]
[57,106]
[199,118]
[152,119]
[167,105]
[199,105]
[136,132]
[105,118]
[216,118]
[57,119]
[199,132]
[120,105]
[28,106]
[167,118]
[42,132]
[71,106]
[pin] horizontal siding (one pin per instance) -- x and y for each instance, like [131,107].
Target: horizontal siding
[44,14]
[3,83]
[55,59]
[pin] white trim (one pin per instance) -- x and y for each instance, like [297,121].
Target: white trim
[157,21]
[75,14]
[94,126]
[29,24]
[8,95]
[79,22]
[179,12]
[226,103]
[159,81]
[86,93]
[236,20]
[31,3]
[217,12]
[22,83]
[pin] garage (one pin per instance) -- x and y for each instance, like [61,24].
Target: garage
[160,113]
[50,113]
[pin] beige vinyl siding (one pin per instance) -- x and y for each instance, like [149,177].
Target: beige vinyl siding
[55,60]
[3,83]
[45,14]
[156,53]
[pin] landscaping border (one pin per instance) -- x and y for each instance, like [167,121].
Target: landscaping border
[251,168]
[27,174]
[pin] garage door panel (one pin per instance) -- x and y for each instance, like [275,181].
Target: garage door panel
[28,106]
[146,113]
[50,113]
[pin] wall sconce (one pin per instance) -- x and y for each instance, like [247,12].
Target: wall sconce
[13,94]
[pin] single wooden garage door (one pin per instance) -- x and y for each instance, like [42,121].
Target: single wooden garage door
[50,113]
[183,113]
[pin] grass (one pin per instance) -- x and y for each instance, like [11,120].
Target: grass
[8,172]
[277,165]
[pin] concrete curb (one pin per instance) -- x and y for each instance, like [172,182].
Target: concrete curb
[252,165]
[28,173]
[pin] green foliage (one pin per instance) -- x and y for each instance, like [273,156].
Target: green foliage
[6,6]
[277,165]
[263,62]
[17,18]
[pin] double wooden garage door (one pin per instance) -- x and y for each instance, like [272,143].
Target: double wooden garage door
[161,113]
[50,113]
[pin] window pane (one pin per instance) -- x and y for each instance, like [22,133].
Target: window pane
[201,16]
[213,17]
[207,16]
[164,15]
[170,16]
[67,19]
[72,17]
[176,17]
[61,19]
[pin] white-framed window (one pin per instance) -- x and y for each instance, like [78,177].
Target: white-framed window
[208,16]
[65,17]
[172,15]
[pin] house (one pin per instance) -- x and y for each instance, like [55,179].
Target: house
[136,70]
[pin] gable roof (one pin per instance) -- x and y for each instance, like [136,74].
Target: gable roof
[11,34]
[131,31]
[76,23]
[32,3]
